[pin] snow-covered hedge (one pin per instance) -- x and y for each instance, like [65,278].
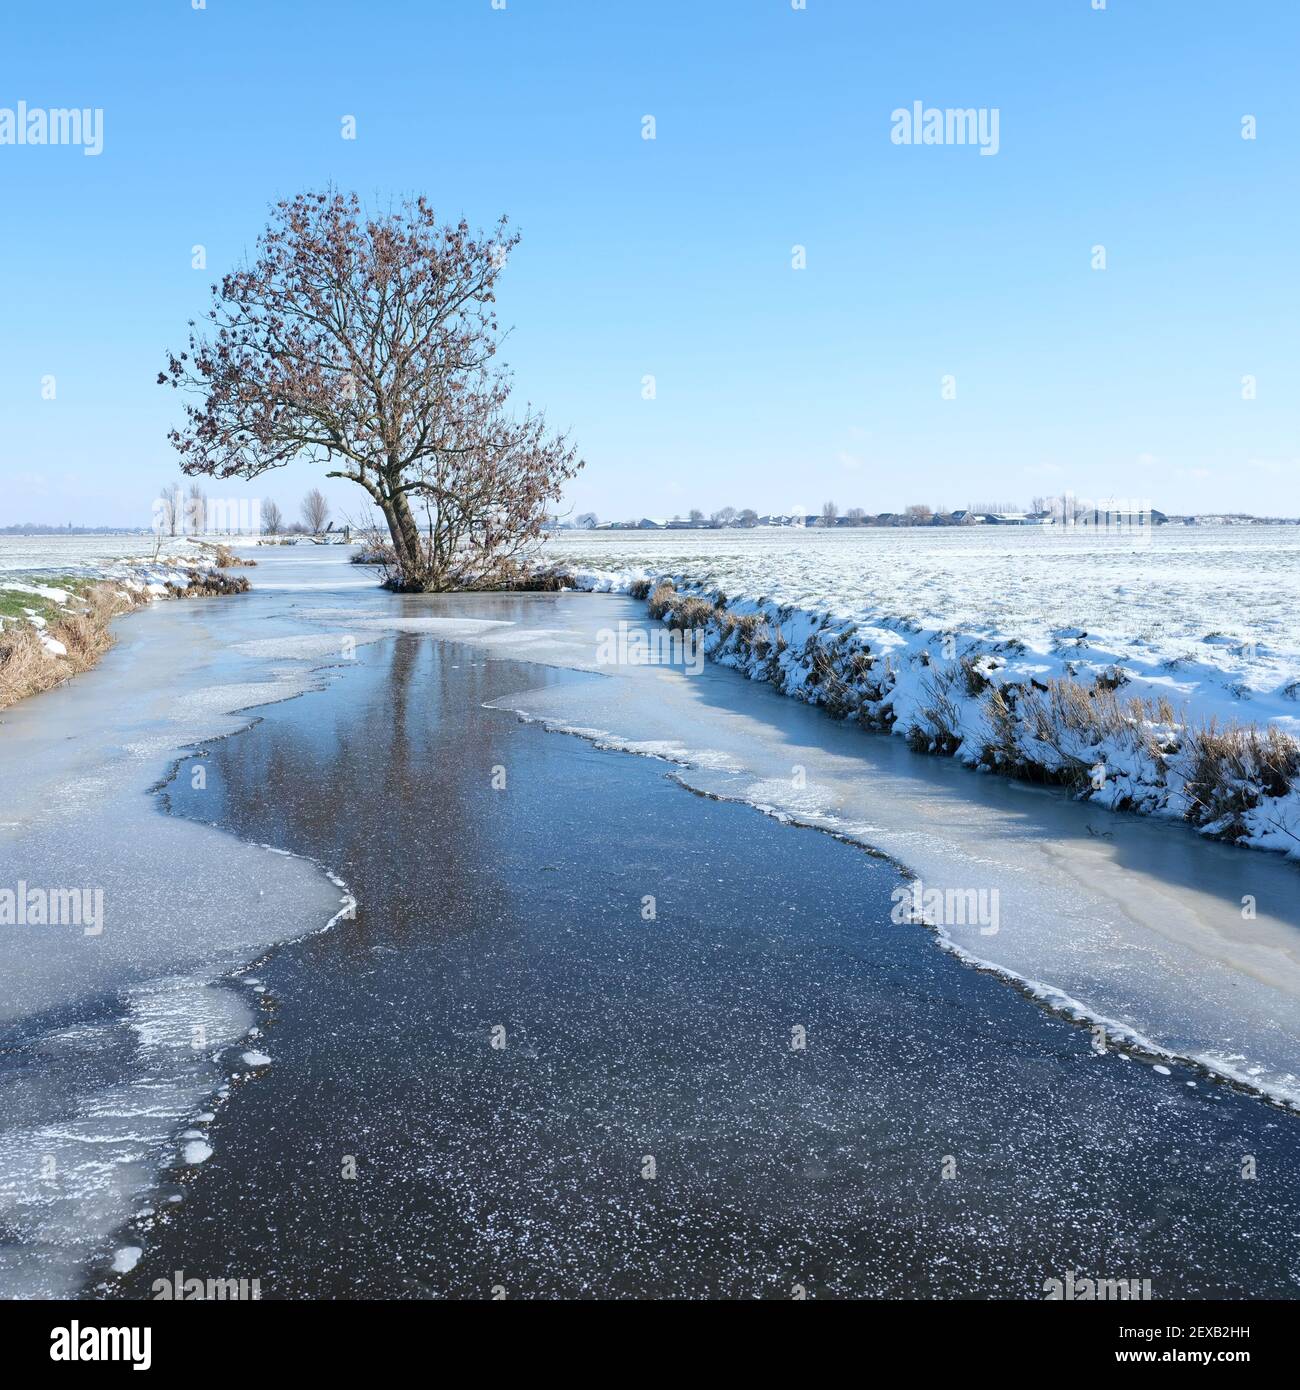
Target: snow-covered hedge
[1071,716]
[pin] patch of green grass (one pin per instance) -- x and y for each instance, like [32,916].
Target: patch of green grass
[17,605]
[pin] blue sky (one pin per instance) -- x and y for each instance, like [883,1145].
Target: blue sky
[775,387]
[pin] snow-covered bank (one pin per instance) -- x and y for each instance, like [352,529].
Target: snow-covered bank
[1154,603]
[53,627]
[1127,730]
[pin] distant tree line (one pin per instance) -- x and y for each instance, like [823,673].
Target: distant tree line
[914,514]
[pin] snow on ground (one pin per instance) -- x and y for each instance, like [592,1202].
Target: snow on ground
[88,555]
[44,591]
[896,627]
[47,568]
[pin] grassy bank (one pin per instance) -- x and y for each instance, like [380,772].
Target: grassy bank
[53,629]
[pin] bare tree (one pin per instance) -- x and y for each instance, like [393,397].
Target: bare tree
[365,344]
[196,510]
[748,517]
[724,517]
[315,511]
[918,514]
[856,516]
[169,509]
[830,513]
[695,514]
[272,517]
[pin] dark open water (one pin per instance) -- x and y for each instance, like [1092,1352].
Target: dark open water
[520,1169]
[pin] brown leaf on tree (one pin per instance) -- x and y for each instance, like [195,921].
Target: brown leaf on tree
[366,344]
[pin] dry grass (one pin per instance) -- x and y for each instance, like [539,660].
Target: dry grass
[657,604]
[25,667]
[752,632]
[833,692]
[225,558]
[1112,678]
[974,677]
[1230,767]
[1073,721]
[1226,770]
[689,613]
[941,730]
[1001,749]
[374,551]
[28,668]
[858,665]
[83,626]
[540,582]
[209,584]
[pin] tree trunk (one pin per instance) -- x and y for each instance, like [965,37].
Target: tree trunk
[406,539]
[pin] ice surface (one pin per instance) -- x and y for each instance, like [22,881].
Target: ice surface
[111,1041]
[1130,921]
[90,1108]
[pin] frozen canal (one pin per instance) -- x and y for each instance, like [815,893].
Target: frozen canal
[588,1033]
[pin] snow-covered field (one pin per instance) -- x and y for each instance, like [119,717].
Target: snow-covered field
[26,561]
[104,555]
[42,567]
[80,554]
[910,630]
[1207,614]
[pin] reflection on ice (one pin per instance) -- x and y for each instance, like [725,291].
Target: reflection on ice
[1118,918]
